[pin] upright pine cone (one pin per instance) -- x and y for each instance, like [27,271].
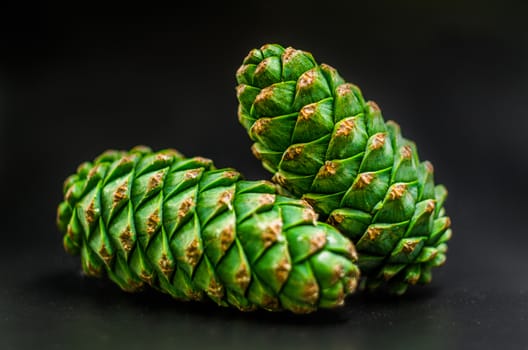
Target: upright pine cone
[189,230]
[322,141]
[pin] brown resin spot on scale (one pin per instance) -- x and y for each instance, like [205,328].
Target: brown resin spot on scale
[154,181]
[301,309]
[146,277]
[90,213]
[185,207]
[241,70]
[153,222]
[120,194]
[125,160]
[307,79]
[195,295]
[447,222]
[91,270]
[226,199]
[133,286]
[202,160]
[192,253]
[338,272]
[163,157]
[429,166]
[105,254]
[329,168]
[240,89]
[242,277]
[270,303]
[191,174]
[327,67]
[264,94]
[414,279]
[352,253]
[408,246]
[69,194]
[378,141]
[266,47]
[261,126]
[344,89]
[280,179]
[373,105]
[373,233]
[406,152]
[250,55]
[430,206]
[271,233]
[226,237]
[261,67]
[345,127]
[93,171]
[309,202]
[352,282]
[311,292]
[266,199]
[255,152]
[70,233]
[317,241]
[230,174]
[293,152]
[126,239]
[363,181]
[336,219]
[282,270]
[288,54]
[309,215]
[340,298]
[215,289]
[165,265]
[307,111]
[397,191]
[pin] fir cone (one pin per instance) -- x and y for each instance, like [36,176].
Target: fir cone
[196,232]
[321,141]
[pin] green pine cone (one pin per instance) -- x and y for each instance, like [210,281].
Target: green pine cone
[324,143]
[196,232]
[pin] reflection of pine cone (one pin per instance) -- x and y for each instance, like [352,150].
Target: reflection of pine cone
[321,141]
[190,230]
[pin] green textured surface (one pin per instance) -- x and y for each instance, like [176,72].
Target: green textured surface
[323,142]
[196,232]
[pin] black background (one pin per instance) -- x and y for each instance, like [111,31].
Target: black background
[75,81]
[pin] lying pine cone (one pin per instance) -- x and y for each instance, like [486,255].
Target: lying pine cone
[324,143]
[193,231]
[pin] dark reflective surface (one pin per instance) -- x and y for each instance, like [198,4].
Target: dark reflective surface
[74,83]
[50,303]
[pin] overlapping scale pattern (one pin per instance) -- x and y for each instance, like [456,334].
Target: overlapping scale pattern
[321,141]
[196,232]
